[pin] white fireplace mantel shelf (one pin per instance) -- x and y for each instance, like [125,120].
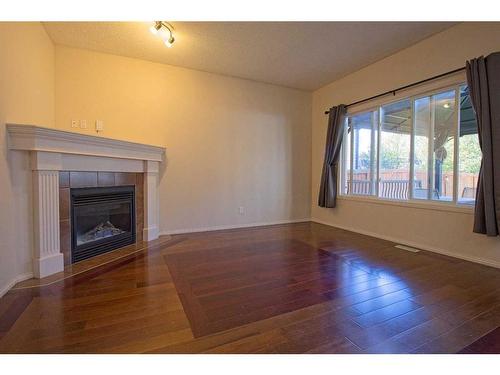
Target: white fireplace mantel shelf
[38,138]
[53,150]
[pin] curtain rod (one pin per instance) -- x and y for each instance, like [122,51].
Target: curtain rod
[393,92]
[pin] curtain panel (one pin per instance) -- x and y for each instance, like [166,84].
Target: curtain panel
[328,187]
[483,78]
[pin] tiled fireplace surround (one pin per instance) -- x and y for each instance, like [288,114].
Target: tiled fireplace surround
[62,160]
[75,179]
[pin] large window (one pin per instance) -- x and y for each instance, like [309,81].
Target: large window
[421,148]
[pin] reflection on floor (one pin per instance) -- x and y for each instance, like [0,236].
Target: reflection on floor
[293,288]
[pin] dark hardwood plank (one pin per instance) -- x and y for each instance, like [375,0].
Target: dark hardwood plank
[465,334]
[298,288]
[488,344]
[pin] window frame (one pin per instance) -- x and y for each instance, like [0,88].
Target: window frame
[373,153]
[454,205]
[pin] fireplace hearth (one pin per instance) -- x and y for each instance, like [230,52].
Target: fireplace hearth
[102,219]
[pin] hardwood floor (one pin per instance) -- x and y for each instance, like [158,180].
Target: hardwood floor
[298,288]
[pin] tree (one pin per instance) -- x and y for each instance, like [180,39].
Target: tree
[469,155]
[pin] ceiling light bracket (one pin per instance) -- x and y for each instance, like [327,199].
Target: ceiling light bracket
[158,26]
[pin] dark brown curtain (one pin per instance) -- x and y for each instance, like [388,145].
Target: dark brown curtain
[335,133]
[483,78]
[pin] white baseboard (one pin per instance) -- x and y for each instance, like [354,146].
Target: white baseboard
[43,267]
[150,234]
[222,227]
[485,262]
[25,276]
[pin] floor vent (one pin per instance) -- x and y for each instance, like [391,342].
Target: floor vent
[408,248]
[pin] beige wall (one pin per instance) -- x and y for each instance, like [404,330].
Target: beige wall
[26,96]
[447,232]
[230,142]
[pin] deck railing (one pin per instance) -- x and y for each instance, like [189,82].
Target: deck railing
[393,184]
[392,189]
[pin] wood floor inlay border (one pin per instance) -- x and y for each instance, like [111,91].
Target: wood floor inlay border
[92,264]
[294,288]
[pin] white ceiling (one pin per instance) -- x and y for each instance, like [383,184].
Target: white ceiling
[302,55]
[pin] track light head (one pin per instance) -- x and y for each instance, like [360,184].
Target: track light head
[170,41]
[156,30]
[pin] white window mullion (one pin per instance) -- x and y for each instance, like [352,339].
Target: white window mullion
[343,160]
[373,151]
[456,171]
[351,160]
[379,127]
[430,162]
[412,150]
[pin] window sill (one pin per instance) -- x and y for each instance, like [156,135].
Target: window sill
[448,207]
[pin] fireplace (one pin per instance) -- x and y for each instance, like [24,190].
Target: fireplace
[62,161]
[102,219]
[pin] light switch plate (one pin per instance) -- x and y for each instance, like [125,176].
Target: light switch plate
[99,125]
[83,124]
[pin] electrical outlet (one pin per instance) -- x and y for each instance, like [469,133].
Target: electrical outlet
[83,124]
[74,123]
[241,210]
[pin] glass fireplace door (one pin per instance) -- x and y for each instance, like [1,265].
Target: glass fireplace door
[102,219]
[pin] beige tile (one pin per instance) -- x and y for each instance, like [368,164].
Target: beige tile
[65,238]
[83,179]
[123,178]
[63,179]
[64,204]
[105,178]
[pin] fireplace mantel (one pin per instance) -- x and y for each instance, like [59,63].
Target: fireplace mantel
[38,138]
[52,151]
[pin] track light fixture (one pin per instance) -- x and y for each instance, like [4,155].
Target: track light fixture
[165,31]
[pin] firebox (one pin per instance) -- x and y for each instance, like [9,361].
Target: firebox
[102,219]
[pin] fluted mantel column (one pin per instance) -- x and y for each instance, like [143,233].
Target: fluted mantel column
[47,258]
[151,201]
